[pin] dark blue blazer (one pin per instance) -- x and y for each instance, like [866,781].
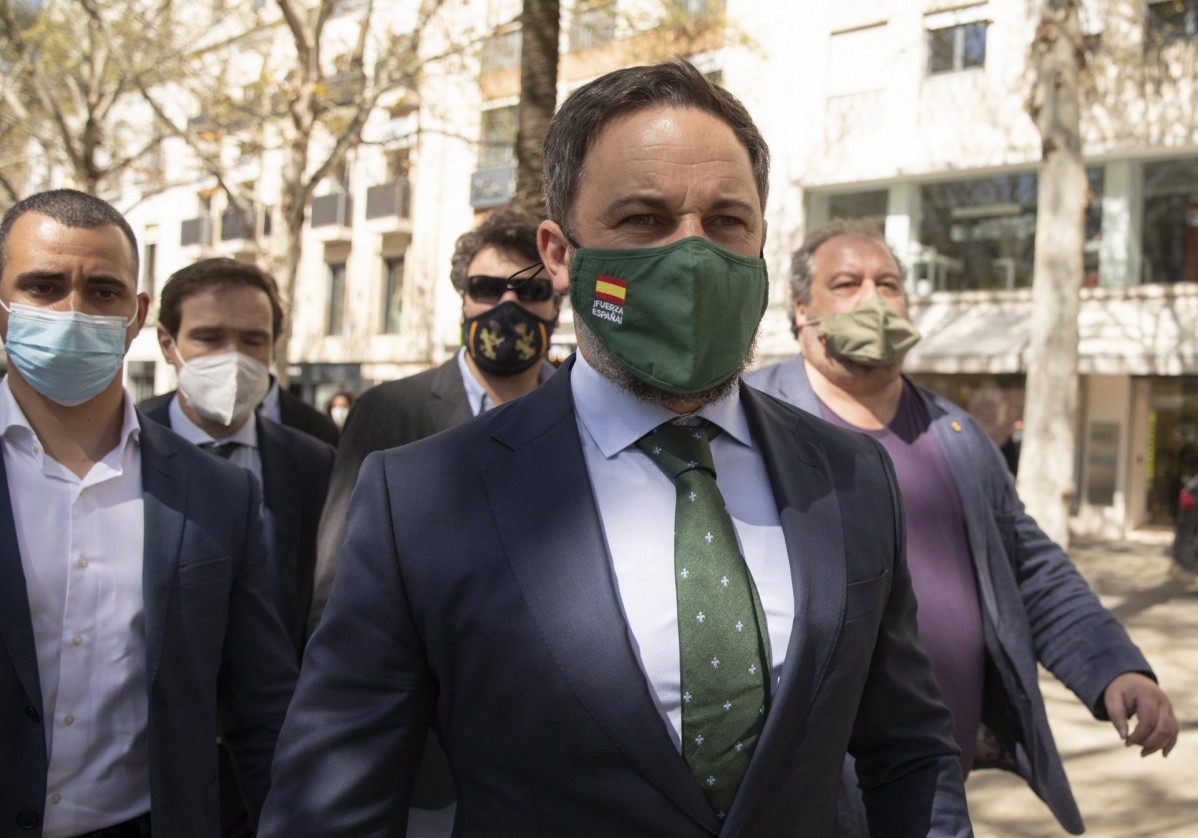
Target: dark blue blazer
[218,660]
[295,479]
[1035,605]
[475,594]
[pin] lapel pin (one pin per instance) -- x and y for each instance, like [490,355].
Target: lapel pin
[957,427]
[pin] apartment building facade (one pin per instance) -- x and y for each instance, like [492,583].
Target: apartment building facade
[910,112]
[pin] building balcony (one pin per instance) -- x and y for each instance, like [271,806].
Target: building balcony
[389,207]
[195,234]
[331,217]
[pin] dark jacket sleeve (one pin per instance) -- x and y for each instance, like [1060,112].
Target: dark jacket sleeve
[352,774]
[258,671]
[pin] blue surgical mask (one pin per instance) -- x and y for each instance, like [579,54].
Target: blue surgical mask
[67,356]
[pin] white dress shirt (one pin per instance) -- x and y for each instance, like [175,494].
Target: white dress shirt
[245,455]
[636,507]
[81,543]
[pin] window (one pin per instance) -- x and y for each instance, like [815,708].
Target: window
[149,268]
[501,51]
[957,47]
[982,233]
[1170,20]
[870,206]
[499,138]
[392,294]
[1171,221]
[592,24]
[336,315]
[978,233]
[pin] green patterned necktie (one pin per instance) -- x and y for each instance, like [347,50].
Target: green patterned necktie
[724,648]
[224,450]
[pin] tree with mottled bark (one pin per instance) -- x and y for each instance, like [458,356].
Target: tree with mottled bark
[540,22]
[1047,460]
[72,71]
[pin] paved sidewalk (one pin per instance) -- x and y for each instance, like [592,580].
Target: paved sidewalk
[1120,794]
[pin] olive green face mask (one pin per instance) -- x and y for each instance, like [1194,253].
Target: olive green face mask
[680,317]
[872,334]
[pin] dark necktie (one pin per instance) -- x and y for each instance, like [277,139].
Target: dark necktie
[224,450]
[724,648]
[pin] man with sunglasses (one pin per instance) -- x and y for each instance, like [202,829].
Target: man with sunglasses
[508,316]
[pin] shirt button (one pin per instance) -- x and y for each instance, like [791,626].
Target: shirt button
[56,798]
[68,721]
[76,640]
[36,449]
[82,562]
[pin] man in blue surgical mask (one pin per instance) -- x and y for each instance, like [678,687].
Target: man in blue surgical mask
[136,608]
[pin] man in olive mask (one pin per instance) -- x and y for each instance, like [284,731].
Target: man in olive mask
[618,615]
[996,596]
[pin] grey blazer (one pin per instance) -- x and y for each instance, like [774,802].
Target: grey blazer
[218,659]
[1035,605]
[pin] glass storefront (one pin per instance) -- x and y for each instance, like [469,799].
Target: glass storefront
[1171,221]
[1172,451]
[981,233]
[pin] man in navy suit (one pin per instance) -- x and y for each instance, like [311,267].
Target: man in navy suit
[137,617]
[218,322]
[516,583]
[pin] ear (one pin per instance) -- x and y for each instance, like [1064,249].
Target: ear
[167,344]
[143,310]
[553,247]
[800,314]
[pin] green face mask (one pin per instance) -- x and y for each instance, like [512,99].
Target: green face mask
[872,334]
[681,317]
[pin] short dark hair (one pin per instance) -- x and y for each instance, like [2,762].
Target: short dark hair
[70,208]
[507,229]
[216,274]
[583,115]
[802,266]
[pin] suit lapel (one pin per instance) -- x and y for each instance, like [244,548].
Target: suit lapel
[565,577]
[164,490]
[16,622]
[448,406]
[809,512]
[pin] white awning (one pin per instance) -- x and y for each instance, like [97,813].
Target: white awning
[1143,330]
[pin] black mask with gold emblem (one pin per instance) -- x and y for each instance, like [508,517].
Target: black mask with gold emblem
[507,339]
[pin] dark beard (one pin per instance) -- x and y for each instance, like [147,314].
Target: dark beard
[607,365]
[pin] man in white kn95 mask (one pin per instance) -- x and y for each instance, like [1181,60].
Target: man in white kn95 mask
[218,321]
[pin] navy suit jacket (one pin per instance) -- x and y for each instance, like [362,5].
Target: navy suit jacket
[475,594]
[392,414]
[1035,605]
[218,660]
[295,480]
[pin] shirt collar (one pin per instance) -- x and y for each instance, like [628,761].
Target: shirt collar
[247,434]
[476,396]
[16,428]
[269,406]
[616,419]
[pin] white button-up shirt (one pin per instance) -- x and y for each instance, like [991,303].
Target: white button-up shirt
[81,544]
[636,507]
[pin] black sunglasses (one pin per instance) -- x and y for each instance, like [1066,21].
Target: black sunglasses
[529,289]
